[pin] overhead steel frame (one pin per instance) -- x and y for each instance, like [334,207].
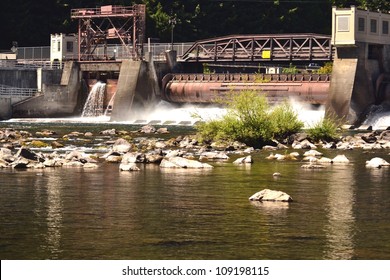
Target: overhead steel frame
[278,47]
[110,24]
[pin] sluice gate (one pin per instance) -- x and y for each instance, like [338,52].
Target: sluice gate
[209,88]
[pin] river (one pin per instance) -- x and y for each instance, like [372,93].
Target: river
[340,212]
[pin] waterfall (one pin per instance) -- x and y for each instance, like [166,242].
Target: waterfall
[93,107]
[378,117]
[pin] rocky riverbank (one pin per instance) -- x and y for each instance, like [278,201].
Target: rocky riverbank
[83,149]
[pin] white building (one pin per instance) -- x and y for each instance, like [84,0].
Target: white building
[63,47]
[351,25]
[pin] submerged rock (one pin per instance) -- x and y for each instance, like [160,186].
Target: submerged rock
[271,195]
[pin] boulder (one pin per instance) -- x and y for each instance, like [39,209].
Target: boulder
[52,163]
[121,146]
[133,158]
[147,129]
[128,167]
[179,162]
[313,153]
[244,160]
[271,195]
[6,155]
[73,164]
[306,144]
[163,130]
[340,159]
[114,159]
[153,158]
[324,160]
[26,153]
[90,165]
[108,132]
[20,163]
[376,162]
[214,156]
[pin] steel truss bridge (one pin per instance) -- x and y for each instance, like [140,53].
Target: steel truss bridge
[261,48]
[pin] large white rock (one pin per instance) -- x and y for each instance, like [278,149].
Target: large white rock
[214,156]
[179,162]
[244,160]
[376,162]
[340,159]
[313,153]
[121,146]
[271,195]
[128,167]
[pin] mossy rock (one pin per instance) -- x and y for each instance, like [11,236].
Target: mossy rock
[38,144]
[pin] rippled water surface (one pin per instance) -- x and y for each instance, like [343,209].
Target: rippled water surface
[340,212]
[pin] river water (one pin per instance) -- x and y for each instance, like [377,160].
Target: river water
[340,212]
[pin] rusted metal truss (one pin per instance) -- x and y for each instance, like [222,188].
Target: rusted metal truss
[124,25]
[278,47]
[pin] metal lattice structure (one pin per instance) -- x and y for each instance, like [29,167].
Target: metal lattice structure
[279,47]
[98,27]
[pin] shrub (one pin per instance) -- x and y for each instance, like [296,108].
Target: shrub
[325,129]
[285,120]
[326,69]
[249,119]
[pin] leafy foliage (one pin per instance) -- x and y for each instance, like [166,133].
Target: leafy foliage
[325,129]
[326,69]
[250,119]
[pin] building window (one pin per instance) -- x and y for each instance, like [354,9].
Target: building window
[385,27]
[343,23]
[58,46]
[361,24]
[53,45]
[69,47]
[373,24]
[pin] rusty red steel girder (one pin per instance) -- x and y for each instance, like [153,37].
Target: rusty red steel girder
[98,26]
[274,47]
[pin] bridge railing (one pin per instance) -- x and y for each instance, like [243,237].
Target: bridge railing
[280,47]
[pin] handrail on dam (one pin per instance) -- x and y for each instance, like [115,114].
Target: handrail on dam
[7,91]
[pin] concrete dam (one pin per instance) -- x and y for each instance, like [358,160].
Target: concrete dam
[360,76]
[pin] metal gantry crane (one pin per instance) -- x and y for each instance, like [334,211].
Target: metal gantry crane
[100,27]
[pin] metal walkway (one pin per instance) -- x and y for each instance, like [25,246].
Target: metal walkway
[253,48]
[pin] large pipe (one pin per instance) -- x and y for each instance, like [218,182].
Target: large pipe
[199,88]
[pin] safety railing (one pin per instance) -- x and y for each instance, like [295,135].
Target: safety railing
[7,91]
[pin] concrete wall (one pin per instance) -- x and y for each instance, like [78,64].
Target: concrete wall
[136,90]
[354,85]
[56,100]
[20,78]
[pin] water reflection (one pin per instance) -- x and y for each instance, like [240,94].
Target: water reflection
[271,207]
[341,220]
[54,217]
